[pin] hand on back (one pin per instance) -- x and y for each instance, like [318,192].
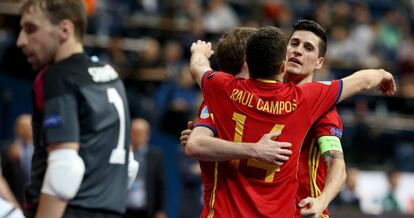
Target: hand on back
[272,151]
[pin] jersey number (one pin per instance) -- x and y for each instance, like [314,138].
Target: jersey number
[271,169]
[118,154]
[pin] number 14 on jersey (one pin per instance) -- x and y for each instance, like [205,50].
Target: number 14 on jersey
[271,169]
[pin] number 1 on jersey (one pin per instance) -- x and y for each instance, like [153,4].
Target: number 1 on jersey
[238,132]
[118,154]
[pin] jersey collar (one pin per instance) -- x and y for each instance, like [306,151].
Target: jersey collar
[267,80]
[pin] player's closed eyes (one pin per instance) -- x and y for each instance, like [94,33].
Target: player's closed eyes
[29,28]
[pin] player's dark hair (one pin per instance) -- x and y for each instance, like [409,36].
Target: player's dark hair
[265,52]
[231,49]
[58,10]
[314,27]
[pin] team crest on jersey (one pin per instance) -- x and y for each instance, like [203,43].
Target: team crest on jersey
[336,132]
[326,82]
[52,121]
[204,113]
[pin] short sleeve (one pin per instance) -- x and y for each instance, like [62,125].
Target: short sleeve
[215,80]
[330,124]
[321,96]
[205,118]
[60,120]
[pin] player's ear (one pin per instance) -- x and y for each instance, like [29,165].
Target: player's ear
[244,66]
[66,29]
[282,69]
[319,63]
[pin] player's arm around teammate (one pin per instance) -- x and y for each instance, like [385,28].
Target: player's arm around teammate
[199,143]
[369,79]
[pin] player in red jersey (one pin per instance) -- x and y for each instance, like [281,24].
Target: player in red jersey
[321,170]
[312,170]
[249,187]
[230,56]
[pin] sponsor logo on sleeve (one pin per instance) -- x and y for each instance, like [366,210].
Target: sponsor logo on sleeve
[336,132]
[204,113]
[52,121]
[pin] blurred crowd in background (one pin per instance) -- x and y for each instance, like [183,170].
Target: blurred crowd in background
[148,43]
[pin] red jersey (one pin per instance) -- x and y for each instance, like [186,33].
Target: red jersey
[207,167]
[312,168]
[245,110]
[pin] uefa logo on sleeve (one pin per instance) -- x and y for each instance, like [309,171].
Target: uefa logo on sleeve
[204,113]
[336,132]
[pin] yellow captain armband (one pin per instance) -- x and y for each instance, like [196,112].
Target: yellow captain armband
[329,143]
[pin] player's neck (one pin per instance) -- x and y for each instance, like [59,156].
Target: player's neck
[243,74]
[299,79]
[280,77]
[68,49]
